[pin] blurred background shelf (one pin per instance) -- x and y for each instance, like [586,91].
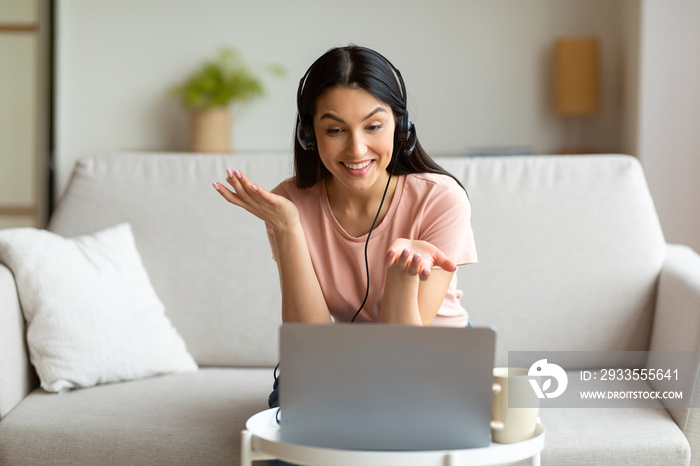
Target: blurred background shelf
[24,112]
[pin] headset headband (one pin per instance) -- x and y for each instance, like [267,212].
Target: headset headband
[404,126]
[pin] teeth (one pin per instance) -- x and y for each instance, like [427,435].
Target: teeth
[357,166]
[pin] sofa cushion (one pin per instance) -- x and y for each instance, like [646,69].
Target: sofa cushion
[179,419]
[92,315]
[620,436]
[570,250]
[196,418]
[209,261]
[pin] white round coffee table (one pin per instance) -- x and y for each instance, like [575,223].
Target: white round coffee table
[261,441]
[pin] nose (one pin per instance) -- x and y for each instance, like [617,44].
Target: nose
[358,144]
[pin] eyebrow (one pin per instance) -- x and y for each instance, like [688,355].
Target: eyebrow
[340,120]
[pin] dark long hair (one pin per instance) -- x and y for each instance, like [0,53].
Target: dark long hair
[359,68]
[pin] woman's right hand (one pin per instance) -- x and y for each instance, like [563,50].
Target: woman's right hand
[302,298]
[275,210]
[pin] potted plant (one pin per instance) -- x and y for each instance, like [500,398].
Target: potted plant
[208,94]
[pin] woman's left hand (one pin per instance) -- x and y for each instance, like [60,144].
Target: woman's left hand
[417,257]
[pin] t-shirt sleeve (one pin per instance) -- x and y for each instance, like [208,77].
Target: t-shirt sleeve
[447,223]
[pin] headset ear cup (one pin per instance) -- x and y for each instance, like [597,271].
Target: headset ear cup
[405,134]
[403,128]
[412,140]
[305,136]
[300,135]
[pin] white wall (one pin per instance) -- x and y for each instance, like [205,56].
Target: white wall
[477,71]
[668,141]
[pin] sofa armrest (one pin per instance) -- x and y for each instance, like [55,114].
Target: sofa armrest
[17,376]
[677,328]
[677,317]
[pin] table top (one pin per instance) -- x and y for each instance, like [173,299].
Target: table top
[266,438]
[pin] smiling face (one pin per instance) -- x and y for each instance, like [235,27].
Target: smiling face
[355,137]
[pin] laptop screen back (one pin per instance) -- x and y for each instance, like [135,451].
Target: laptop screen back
[386,387]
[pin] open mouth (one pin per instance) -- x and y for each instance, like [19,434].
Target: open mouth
[357,166]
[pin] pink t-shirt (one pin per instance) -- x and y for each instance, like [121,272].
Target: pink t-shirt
[425,206]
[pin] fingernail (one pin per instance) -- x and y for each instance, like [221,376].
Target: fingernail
[391,253]
[216,186]
[405,253]
[229,172]
[238,174]
[416,258]
[255,188]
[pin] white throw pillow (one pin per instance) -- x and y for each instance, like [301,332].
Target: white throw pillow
[92,314]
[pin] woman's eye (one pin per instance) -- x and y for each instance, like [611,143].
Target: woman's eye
[374,127]
[333,131]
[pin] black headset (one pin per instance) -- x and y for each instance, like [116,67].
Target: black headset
[404,127]
[404,135]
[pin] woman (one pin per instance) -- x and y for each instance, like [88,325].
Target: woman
[350,102]
[360,172]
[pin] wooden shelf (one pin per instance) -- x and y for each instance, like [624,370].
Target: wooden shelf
[18,210]
[19,27]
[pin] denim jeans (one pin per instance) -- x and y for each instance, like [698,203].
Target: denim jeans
[273,402]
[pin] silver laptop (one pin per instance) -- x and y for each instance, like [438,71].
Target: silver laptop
[386,387]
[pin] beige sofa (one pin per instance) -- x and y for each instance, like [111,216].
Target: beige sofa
[571,257]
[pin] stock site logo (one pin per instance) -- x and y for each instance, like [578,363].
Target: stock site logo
[546,372]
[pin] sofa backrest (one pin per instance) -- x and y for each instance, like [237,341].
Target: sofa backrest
[209,261]
[569,248]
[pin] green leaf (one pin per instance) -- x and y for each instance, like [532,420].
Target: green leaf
[224,80]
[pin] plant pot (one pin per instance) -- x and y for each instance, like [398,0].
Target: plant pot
[210,130]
